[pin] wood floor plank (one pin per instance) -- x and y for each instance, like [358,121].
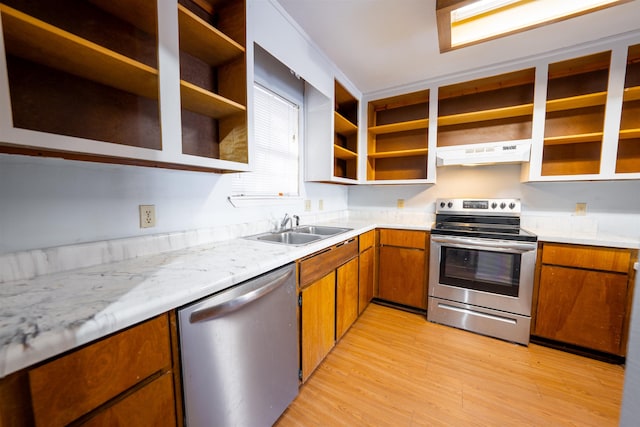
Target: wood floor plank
[394,368]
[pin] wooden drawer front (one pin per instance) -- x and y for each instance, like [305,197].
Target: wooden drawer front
[582,307]
[320,264]
[71,386]
[403,238]
[151,405]
[594,258]
[367,240]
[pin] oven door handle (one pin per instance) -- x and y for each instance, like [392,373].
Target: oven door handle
[493,245]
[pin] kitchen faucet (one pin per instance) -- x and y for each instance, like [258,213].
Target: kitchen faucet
[286,219]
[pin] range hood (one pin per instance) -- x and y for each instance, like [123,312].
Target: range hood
[482,154]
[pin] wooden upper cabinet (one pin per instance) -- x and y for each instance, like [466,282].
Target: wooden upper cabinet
[397,146]
[82,74]
[345,134]
[628,157]
[575,112]
[491,109]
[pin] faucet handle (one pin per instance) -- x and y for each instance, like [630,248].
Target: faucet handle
[297,218]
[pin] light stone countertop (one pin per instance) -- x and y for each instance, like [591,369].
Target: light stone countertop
[45,315]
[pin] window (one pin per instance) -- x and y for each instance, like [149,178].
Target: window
[464,22]
[276,148]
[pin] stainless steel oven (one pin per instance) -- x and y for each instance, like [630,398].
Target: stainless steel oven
[481,268]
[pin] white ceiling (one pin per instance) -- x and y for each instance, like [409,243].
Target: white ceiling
[381,44]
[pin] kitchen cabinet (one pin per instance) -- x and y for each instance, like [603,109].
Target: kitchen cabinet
[583,296]
[402,267]
[328,299]
[491,109]
[575,111]
[128,376]
[397,146]
[367,269]
[346,296]
[331,135]
[628,155]
[87,81]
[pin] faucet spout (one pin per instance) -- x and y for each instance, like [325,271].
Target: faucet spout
[285,220]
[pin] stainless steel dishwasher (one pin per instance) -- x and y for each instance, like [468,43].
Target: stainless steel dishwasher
[239,351]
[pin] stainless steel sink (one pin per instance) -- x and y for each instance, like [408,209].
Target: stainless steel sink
[321,230]
[300,235]
[289,238]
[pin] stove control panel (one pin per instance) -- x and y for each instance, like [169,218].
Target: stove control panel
[509,207]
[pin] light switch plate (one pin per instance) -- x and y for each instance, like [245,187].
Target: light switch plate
[581,209]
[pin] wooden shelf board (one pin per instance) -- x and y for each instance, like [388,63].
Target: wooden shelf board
[139,13]
[580,101]
[399,127]
[493,114]
[399,153]
[573,139]
[632,94]
[198,100]
[204,41]
[629,133]
[343,153]
[39,42]
[343,125]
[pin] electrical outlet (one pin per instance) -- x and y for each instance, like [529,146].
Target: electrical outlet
[147,216]
[307,205]
[581,209]
[400,203]
[320,204]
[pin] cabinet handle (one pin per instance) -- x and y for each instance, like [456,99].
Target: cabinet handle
[346,242]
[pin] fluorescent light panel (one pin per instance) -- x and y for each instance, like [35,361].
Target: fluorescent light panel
[485,19]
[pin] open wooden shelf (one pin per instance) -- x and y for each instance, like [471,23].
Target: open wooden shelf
[399,127]
[629,133]
[397,144]
[631,94]
[204,41]
[575,102]
[345,133]
[485,115]
[399,153]
[573,139]
[42,43]
[201,101]
[140,13]
[575,112]
[343,153]
[342,125]
[488,109]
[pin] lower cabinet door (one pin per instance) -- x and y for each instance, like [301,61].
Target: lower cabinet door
[346,297]
[402,276]
[582,307]
[151,405]
[317,316]
[366,279]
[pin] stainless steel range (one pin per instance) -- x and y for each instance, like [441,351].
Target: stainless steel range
[481,268]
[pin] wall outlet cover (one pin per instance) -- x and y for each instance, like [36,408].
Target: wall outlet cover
[581,209]
[147,216]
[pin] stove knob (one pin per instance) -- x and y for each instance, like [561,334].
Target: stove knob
[442,204]
[503,205]
[494,205]
[512,205]
[450,205]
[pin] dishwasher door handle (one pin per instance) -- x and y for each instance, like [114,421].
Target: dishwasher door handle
[220,309]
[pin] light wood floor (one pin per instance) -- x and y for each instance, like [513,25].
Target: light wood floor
[396,369]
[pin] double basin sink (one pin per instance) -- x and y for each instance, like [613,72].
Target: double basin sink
[300,235]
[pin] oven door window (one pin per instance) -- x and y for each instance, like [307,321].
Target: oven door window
[482,270]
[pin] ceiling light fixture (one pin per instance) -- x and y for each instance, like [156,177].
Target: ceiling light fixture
[464,22]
